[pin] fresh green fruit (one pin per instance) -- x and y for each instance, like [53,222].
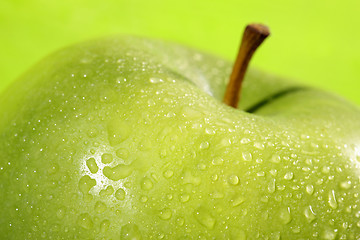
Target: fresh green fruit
[127,138]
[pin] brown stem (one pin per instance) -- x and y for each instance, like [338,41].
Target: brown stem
[254,35]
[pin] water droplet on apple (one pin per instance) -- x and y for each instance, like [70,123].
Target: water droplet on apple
[180,221]
[165,214]
[168,173]
[237,200]
[107,191]
[310,189]
[156,80]
[54,168]
[204,145]
[188,112]
[275,158]
[146,183]
[259,145]
[184,197]
[104,226]
[217,195]
[284,215]
[189,178]
[100,207]
[325,169]
[289,176]
[143,199]
[85,221]
[86,183]
[151,102]
[120,194]
[328,234]
[296,229]
[217,161]
[122,153]
[118,172]
[332,200]
[234,180]
[271,186]
[209,131]
[106,158]
[247,156]
[309,214]
[118,131]
[91,164]
[130,231]
[204,218]
[60,213]
[345,185]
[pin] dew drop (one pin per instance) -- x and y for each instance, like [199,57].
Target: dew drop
[84,221]
[247,156]
[217,161]
[332,199]
[184,197]
[275,158]
[237,200]
[91,164]
[118,131]
[92,133]
[345,185]
[217,195]
[151,102]
[130,231]
[146,183]
[204,218]
[106,158]
[190,113]
[209,131]
[259,145]
[53,169]
[107,191]
[329,234]
[165,214]
[122,153]
[155,80]
[234,180]
[104,226]
[143,199]
[180,221]
[310,189]
[289,176]
[118,172]
[86,183]
[204,145]
[284,215]
[61,212]
[271,186]
[189,178]
[309,214]
[120,194]
[100,207]
[168,173]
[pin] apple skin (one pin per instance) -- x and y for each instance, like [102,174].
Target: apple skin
[127,138]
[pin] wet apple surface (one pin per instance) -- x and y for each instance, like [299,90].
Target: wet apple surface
[128,138]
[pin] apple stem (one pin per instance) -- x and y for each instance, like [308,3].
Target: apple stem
[254,35]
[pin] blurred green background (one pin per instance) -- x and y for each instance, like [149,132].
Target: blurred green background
[316,42]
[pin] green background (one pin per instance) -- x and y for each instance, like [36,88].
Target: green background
[316,42]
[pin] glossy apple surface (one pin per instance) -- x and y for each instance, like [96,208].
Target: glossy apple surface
[128,138]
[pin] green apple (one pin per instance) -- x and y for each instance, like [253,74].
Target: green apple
[128,138]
